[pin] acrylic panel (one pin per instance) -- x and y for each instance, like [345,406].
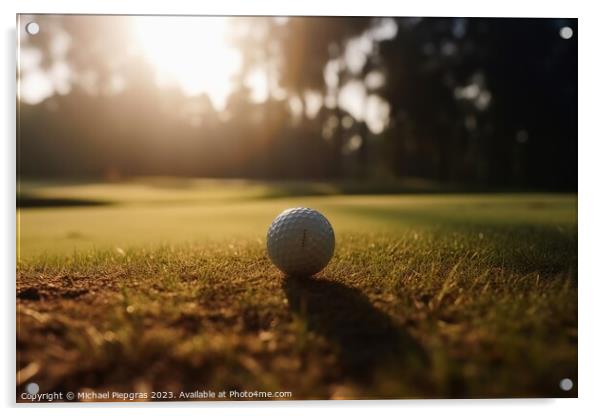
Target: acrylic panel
[433,162]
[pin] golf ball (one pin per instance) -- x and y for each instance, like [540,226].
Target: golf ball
[300,242]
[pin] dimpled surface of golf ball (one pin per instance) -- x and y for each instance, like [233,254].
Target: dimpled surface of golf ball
[300,242]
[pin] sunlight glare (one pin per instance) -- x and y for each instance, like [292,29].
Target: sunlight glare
[191,52]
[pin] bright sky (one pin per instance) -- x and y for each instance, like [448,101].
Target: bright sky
[190,51]
[194,54]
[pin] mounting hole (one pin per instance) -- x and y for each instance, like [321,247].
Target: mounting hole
[32,388]
[32,28]
[566,384]
[565,32]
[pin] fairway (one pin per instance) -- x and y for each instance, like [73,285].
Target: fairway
[164,285]
[156,212]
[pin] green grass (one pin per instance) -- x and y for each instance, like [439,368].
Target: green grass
[166,286]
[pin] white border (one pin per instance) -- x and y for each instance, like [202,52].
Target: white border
[590,207]
[469,8]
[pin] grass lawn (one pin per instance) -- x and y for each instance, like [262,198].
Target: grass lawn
[164,285]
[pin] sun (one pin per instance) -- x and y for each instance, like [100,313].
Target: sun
[191,52]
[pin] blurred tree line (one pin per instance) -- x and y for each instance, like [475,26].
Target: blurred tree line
[475,101]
